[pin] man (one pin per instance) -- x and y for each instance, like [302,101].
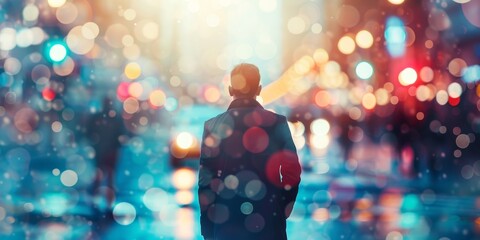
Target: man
[103,131]
[249,169]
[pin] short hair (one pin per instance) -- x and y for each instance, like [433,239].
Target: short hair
[245,79]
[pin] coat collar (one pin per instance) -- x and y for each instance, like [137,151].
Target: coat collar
[244,103]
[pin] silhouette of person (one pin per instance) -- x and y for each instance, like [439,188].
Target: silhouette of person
[249,169]
[104,129]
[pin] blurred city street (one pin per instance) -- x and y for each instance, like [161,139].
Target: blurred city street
[103,104]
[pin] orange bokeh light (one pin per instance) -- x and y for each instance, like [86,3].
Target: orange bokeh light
[369,101]
[321,215]
[212,94]
[157,98]
[184,197]
[364,216]
[322,98]
[183,179]
[135,89]
[346,45]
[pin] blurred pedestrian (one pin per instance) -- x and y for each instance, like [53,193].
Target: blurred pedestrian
[249,169]
[104,129]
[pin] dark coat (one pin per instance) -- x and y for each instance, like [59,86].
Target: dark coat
[249,174]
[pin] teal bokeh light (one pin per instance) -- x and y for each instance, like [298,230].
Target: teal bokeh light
[56,51]
[411,202]
[471,74]
[395,36]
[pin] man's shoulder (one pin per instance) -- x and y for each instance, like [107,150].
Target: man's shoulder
[213,119]
[278,118]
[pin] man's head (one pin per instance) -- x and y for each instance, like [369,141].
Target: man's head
[245,81]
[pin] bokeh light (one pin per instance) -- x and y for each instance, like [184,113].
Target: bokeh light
[131,105]
[383,96]
[183,179]
[396,2]
[48,94]
[135,90]
[470,9]
[124,213]
[426,74]
[57,52]
[369,101]
[320,127]
[57,126]
[457,66]
[90,30]
[347,16]
[8,38]
[423,93]
[157,98]
[30,12]
[64,68]
[320,56]
[184,140]
[364,70]
[395,36]
[133,70]
[442,97]
[69,178]
[364,39]
[296,25]
[323,98]
[471,74]
[155,199]
[122,91]
[346,45]
[407,76]
[454,90]
[320,142]
[212,94]
[184,197]
[78,43]
[67,13]
[56,3]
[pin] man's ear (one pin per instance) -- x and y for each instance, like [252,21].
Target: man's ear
[230,90]
[259,89]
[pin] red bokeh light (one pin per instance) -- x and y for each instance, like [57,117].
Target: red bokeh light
[122,91]
[48,94]
[453,101]
[255,140]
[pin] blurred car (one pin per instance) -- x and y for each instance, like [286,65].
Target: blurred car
[186,134]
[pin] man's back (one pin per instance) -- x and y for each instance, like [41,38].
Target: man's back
[249,174]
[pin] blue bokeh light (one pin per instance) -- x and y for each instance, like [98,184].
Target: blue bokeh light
[471,74]
[395,36]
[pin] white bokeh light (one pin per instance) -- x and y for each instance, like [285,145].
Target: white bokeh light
[320,126]
[124,213]
[69,178]
[185,140]
[58,53]
[155,198]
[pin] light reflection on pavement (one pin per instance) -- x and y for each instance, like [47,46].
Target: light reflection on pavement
[328,207]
